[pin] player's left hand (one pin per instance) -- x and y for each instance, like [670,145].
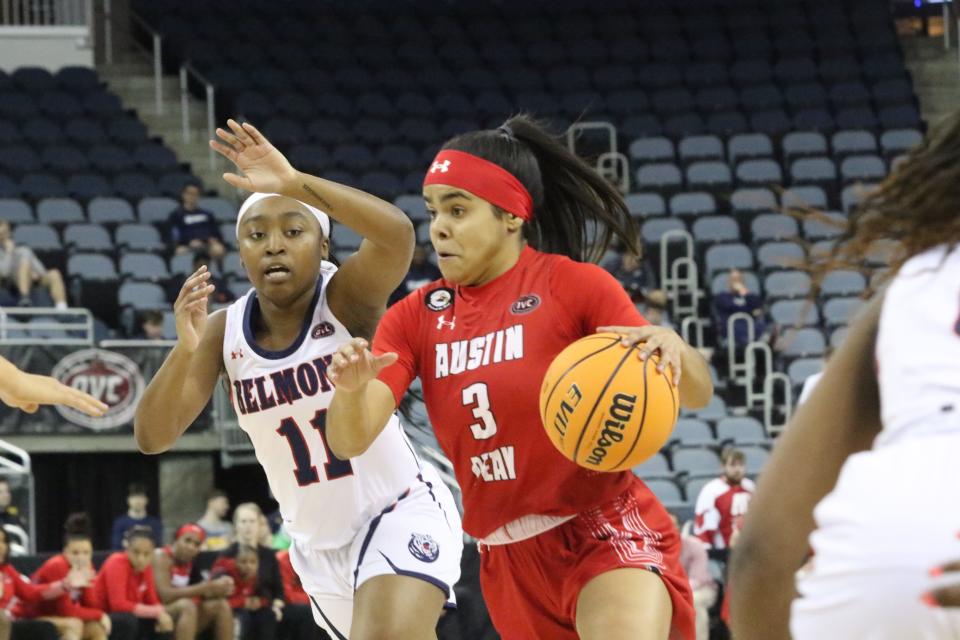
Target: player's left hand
[948,596]
[27,391]
[661,340]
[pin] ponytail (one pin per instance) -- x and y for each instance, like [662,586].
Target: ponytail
[569,196]
[77,527]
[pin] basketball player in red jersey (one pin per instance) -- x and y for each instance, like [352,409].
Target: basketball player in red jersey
[566,552]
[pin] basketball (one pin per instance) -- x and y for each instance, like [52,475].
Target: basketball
[603,407]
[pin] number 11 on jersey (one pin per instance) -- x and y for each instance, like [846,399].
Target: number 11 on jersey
[305,471]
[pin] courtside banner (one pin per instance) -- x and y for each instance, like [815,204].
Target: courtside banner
[116,376]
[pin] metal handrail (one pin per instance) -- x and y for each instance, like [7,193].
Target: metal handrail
[187,70]
[11,319]
[751,351]
[133,344]
[156,54]
[23,467]
[680,235]
[768,383]
[615,167]
[576,128]
[739,370]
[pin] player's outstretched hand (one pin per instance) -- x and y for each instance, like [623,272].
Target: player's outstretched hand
[190,309]
[28,391]
[265,169]
[354,365]
[662,340]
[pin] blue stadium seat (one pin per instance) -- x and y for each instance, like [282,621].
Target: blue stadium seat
[16,211]
[139,237]
[110,211]
[60,211]
[87,238]
[40,237]
[143,266]
[154,210]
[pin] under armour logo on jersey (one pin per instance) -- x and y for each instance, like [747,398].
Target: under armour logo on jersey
[452,323]
[236,354]
[442,167]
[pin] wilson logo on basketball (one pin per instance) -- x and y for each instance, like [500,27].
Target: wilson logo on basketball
[322,330]
[525,304]
[621,408]
[109,377]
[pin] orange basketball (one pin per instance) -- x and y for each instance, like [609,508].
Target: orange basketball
[603,407]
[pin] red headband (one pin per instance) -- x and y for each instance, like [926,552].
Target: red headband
[191,528]
[483,179]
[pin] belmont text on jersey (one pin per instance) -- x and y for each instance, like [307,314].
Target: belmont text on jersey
[282,387]
[468,355]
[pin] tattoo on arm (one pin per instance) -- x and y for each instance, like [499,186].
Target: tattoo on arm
[327,207]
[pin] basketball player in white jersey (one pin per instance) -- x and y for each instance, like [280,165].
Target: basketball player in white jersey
[377,538]
[876,448]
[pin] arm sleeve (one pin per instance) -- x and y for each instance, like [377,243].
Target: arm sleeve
[276,581]
[33,593]
[115,575]
[150,595]
[396,327]
[592,297]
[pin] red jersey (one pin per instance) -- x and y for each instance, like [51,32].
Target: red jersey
[118,588]
[69,604]
[17,590]
[243,588]
[293,591]
[179,573]
[720,510]
[481,353]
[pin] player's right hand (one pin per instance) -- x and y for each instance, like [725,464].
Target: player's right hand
[190,309]
[353,365]
[219,587]
[27,391]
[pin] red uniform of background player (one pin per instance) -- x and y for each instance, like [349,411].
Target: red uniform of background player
[566,552]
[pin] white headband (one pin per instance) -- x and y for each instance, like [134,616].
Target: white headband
[321,217]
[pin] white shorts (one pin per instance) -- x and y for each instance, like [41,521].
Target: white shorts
[419,536]
[893,516]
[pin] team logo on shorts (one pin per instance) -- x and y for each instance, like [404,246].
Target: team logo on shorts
[439,299]
[525,304]
[322,330]
[423,547]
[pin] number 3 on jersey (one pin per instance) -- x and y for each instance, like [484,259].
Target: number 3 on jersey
[305,471]
[476,396]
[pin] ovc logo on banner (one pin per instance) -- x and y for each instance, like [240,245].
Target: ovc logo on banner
[109,377]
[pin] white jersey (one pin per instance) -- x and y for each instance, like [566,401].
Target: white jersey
[281,400]
[918,348]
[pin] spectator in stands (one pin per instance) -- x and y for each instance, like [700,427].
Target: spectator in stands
[151,323]
[181,587]
[256,618]
[219,532]
[693,557]
[723,502]
[221,293]
[297,621]
[76,562]
[421,272]
[21,267]
[639,278]
[136,514]
[738,299]
[192,228]
[125,584]
[16,592]
[246,523]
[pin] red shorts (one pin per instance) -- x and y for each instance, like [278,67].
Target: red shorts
[531,587]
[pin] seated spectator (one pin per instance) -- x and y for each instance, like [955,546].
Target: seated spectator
[738,299]
[693,557]
[252,606]
[151,325]
[19,266]
[421,272]
[202,603]
[639,279]
[125,584]
[722,503]
[194,229]
[219,532]
[297,617]
[246,524]
[221,293]
[17,593]
[76,562]
[136,515]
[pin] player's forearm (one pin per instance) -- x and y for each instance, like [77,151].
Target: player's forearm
[696,386]
[350,427]
[168,593]
[158,423]
[374,219]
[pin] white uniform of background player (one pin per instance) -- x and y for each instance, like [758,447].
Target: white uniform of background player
[895,511]
[383,512]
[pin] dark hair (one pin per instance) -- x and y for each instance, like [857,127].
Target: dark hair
[77,527]
[216,493]
[732,454]
[6,538]
[568,194]
[154,317]
[136,489]
[138,531]
[191,183]
[914,209]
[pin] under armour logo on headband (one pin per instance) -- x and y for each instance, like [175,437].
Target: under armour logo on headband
[442,167]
